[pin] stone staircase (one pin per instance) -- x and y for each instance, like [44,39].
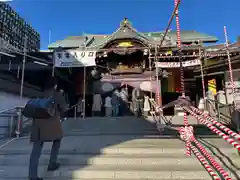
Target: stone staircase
[124,148]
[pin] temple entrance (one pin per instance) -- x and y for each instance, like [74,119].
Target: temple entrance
[121,75]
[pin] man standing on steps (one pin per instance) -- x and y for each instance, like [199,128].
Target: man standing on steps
[47,130]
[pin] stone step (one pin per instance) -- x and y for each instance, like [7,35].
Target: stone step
[172,152]
[122,141]
[122,125]
[110,171]
[119,132]
[119,145]
[111,130]
[67,178]
[130,161]
[116,150]
[102,160]
[201,132]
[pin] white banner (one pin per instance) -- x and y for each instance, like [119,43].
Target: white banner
[177,64]
[74,58]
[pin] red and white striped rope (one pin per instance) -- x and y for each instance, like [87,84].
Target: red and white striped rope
[202,76]
[219,125]
[230,65]
[212,161]
[179,45]
[188,152]
[186,134]
[215,130]
[158,98]
[196,55]
[204,163]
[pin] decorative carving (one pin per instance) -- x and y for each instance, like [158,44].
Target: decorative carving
[125,22]
[124,51]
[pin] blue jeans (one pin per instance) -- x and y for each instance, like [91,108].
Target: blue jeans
[36,153]
[116,110]
[123,109]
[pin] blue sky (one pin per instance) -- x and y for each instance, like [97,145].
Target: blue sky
[73,17]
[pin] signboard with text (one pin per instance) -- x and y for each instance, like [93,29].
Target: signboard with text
[212,86]
[177,64]
[74,58]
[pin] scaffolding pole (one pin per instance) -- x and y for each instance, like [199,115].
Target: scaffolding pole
[23,67]
[230,66]
[158,83]
[84,92]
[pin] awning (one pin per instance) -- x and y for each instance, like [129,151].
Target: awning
[141,81]
[150,86]
[135,84]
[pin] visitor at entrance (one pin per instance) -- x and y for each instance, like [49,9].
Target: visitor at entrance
[123,102]
[80,107]
[137,100]
[97,105]
[115,102]
[108,106]
[138,104]
[146,106]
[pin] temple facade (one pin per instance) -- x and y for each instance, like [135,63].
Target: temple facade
[133,59]
[129,55]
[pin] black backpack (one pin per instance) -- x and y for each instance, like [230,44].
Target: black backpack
[40,108]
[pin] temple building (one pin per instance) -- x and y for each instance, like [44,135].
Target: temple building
[128,57]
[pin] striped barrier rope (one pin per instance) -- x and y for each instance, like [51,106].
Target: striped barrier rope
[192,56]
[204,163]
[219,125]
[215,130]
[230,66]
[212,160]
[186,134]
[179,45]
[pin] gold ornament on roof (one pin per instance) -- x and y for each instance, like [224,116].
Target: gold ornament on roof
[125,22]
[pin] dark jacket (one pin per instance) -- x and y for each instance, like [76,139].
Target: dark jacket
[50,129]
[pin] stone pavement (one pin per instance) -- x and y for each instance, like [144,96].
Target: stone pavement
[89,154]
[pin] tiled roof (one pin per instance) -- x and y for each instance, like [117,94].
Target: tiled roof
[98,40]
[221,47]
[189,36]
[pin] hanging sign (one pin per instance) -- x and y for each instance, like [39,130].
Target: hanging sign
[212,86]
[177,64]
[74,58]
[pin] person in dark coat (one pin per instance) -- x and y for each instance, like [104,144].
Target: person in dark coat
[47,130]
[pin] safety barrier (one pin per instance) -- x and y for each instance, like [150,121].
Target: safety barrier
[192,144]
[186,134]
[221,126]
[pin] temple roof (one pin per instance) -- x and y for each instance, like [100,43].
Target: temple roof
[221,48]
[126,31]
